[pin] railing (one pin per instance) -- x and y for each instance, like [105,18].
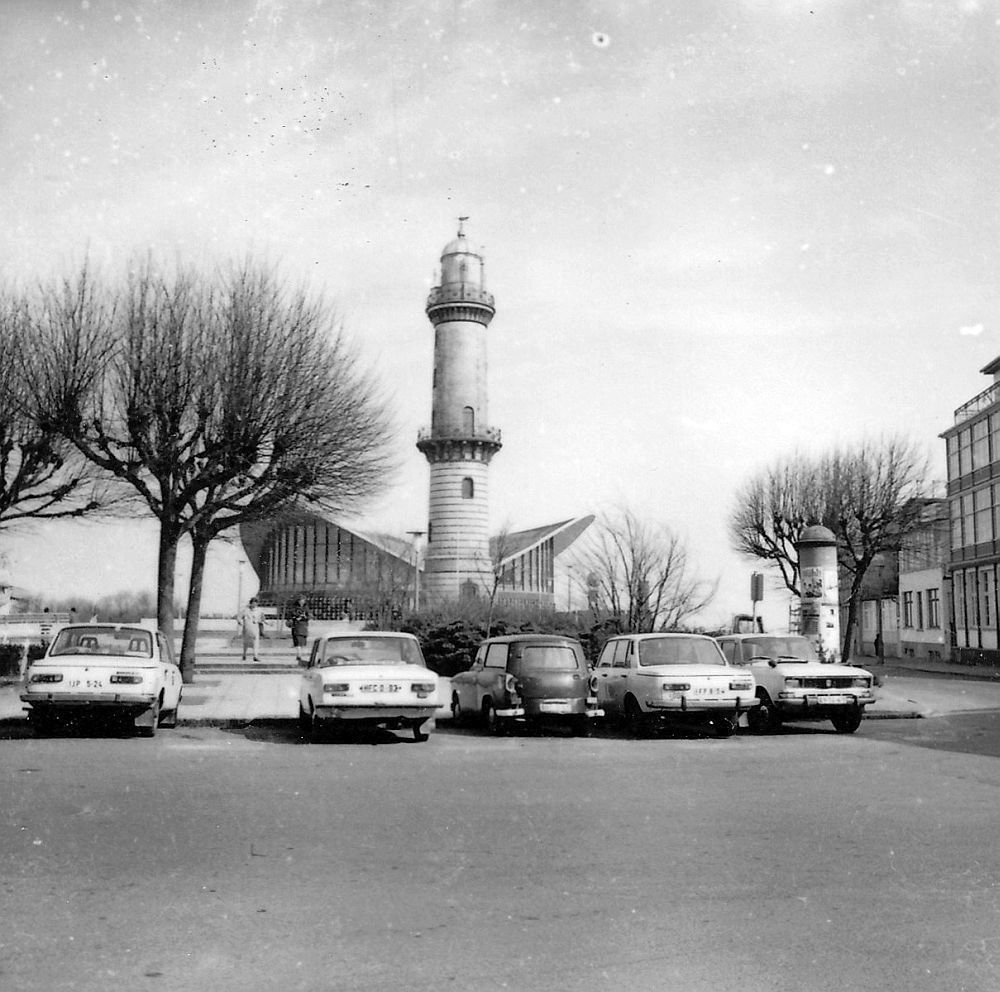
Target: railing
[452,433]
[977,404]
[454,292]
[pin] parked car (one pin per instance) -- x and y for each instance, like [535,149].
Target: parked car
[793,684]
[527,678]
[124,671]
[646,680]
[370,678]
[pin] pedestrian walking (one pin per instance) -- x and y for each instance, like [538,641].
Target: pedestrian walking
[298,621]
[249,623]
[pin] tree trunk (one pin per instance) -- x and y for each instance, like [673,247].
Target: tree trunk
[198,555]
[847,635]
[165,571]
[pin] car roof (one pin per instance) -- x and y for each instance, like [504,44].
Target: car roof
[665,634]
[758,636]
[336,634]
[533,638]
[150,628]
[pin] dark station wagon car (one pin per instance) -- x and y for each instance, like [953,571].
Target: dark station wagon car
[527,678]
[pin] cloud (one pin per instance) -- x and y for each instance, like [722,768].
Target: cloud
[971,330]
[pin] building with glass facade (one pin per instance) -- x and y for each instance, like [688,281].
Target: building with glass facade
[973,571]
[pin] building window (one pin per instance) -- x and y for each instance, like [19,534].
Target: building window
[956,525]
[984,600]
[933,608]
[920,610]
[980,443]
[964,451]
[908,609]
[468,489]
[968,521]
[984,514]
[469,421]
[953,465]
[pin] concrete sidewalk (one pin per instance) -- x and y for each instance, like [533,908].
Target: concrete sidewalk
[228,692]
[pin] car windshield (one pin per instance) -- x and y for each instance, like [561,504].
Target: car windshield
[548,658]
[775,648]
[372,651]
[129,642]
[679,651]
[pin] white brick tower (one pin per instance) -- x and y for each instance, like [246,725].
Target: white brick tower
[460,442]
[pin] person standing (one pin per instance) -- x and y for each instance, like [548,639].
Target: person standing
[298,621]
[250,621]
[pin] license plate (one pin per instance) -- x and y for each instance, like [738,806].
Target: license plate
[709,691]
[381,687]
[85,684]
[554,707]
[834,699]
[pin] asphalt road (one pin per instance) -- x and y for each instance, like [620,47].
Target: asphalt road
[217,860]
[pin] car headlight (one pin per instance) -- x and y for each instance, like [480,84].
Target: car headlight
[862,683]
[46,677]
[125,678]
[593,685]
[676,686]
[336,688]
[793,683]
[742,685]
[510,684]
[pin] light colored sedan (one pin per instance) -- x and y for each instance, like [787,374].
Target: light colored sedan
[371,678]
[793,684]
[124,671]
[645,680]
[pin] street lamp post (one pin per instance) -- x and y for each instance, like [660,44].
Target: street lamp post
[239,585]
[416,535]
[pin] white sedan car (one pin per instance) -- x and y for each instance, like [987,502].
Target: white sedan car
[369,678]
[123,671]
[645,680]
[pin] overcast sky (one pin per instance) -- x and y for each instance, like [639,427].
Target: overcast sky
[717,232]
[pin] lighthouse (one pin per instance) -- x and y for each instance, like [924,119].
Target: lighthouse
[460,442]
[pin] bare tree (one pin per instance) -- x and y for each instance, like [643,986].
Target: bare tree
[771,511]
[501,548]
[41,475]
[640,574]
[867,495]
[874,502]
[217,401]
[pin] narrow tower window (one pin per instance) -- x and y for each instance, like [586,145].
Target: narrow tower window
[469,420]
[468,489]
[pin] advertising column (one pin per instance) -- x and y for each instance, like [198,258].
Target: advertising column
[820,598]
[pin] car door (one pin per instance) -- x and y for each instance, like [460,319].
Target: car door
[308,685]
[493,675]
[603,670]
[617,680]
[463,684]
[170,674]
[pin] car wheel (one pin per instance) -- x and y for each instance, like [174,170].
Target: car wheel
[725,726]
[763,719]
[494,724]
[154,722]
[848,721]
[635,721]
[419,734]
[305,722]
